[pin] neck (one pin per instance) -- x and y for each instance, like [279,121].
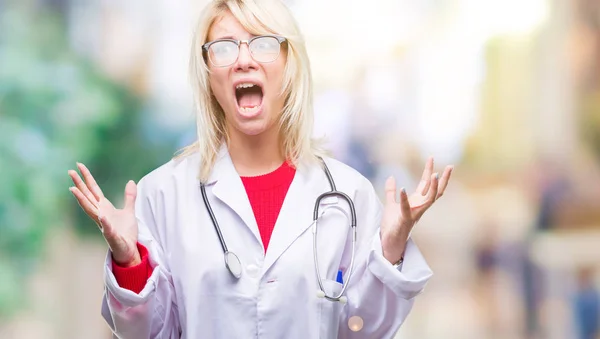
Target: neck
[256,154]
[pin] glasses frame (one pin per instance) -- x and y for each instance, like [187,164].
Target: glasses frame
[239,43]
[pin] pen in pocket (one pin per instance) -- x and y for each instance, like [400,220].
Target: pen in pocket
[339,278]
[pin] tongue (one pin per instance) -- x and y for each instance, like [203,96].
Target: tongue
[250,98]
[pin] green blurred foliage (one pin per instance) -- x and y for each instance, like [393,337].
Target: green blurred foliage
[590,122]
[56,109]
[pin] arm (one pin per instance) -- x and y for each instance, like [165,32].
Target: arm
[134,278]
[379,293]
[151,313]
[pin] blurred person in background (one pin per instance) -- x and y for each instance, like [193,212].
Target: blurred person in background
[586,305]
[252,184]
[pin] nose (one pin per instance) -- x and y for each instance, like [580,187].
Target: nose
[245,61]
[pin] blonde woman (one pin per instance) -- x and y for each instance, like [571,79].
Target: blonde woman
[233,238]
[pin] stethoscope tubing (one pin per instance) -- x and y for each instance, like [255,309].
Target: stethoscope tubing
[333,193]
[213,218]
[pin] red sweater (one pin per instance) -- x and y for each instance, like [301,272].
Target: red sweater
[266,194]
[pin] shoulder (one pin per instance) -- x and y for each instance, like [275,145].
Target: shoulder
[173,173]
[350,179]
[343,169]
[367,201]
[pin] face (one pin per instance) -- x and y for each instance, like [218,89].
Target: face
[247,90]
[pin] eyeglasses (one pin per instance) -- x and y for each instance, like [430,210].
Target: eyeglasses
[225,52]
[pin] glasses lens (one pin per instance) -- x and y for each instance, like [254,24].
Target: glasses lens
[265,49]
[223,53]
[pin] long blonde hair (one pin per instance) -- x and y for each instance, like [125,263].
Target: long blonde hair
[296,120]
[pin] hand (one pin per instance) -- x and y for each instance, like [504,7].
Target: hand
[400,217]
[119,226]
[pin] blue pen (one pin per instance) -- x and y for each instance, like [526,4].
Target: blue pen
[339,278]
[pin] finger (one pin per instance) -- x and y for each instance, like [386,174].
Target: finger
[130,195]
[405,206]
[444,181]
[90,181]
[425,178]
[390,190]
[85,204]
[433,189]
[83,188]
[431,196]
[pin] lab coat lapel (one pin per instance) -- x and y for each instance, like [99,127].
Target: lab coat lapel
[296,213]
[228,188]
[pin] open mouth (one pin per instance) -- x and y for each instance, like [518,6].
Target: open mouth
[249,97]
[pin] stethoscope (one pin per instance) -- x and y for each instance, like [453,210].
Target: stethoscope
[234,265]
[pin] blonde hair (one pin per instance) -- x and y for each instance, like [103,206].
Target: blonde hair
[295,122]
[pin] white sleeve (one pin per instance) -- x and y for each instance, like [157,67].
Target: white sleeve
[381,295]
[153,312]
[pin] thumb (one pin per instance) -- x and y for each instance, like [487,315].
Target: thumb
[390,190]
[130,195]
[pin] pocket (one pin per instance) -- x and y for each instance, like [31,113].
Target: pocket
[330,310]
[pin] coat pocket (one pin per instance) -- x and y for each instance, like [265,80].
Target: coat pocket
[331,311]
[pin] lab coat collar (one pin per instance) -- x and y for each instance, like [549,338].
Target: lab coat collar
[222,163]
[296,213]
[227,186]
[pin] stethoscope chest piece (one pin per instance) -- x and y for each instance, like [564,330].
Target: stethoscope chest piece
[233,264]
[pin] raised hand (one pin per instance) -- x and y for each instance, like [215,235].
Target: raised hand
[400,217]
[119,226]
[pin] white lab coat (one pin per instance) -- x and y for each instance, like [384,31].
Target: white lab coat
[191,294]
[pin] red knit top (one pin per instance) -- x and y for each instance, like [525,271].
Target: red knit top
[265,193]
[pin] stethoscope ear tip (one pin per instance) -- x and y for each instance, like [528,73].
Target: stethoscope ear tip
[342,299]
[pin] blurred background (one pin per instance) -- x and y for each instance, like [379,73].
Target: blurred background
[508,91]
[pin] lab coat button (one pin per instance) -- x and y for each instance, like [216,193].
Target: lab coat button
[252,270]
[355,323]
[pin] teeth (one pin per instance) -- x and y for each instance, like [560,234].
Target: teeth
[245,85]
[248,109]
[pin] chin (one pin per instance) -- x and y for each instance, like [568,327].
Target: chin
[252,128]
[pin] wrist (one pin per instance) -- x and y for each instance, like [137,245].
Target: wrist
[394,257]
[393,248]
[129,261]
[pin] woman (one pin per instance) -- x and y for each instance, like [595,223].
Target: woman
[255,169]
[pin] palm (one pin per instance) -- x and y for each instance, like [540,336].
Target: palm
[119,226]
[416,201]
[399,217]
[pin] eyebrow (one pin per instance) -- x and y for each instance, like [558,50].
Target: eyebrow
[226,37]
[229,36]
